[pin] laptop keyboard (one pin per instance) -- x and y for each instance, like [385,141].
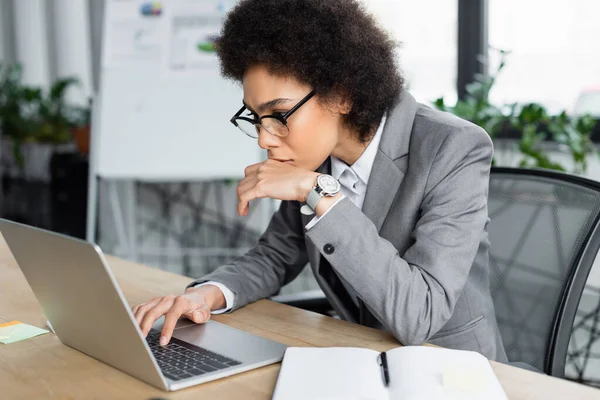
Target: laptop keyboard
[181,360]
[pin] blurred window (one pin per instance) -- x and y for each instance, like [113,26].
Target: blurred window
[427,30]
[555,56]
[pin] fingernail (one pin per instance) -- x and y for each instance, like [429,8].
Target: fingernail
[163,340]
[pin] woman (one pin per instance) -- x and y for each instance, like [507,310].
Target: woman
[384,197]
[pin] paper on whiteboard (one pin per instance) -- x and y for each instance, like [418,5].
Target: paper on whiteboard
[157,123]
[135,34]
[193,29]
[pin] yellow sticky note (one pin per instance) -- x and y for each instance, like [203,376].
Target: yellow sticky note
[15,331]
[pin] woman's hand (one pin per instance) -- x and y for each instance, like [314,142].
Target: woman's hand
[276,180]
[194,305]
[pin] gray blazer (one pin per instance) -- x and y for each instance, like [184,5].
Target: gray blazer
[416,254]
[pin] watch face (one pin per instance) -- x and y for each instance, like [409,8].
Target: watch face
[328,183]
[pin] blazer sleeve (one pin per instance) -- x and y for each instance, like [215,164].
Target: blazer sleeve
[414,294]
[276,260]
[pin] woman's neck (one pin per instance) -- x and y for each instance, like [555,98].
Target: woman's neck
[349,147]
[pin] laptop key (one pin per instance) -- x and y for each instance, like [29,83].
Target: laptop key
[223,359]
[233,362]
[172,376]
[195,364]
[219,357]
[195,371]
[184,375]
[216,364]
[206,367]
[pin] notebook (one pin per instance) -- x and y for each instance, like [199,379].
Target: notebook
[413,372]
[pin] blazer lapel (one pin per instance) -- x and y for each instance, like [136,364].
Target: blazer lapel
[389,166]
[388,169]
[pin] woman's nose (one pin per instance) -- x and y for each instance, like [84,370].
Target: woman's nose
[266,140]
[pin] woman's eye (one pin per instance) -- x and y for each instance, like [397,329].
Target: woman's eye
[278,114]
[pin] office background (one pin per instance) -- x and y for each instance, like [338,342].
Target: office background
[550,56]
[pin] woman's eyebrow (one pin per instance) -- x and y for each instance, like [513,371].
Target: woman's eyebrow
[268,105]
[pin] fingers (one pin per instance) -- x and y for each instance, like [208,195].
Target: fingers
[159,309]
[172,307]
[200,315]
[258,182]
[243,190]
[251,172]
[251,169]
[182,307]
[246,197]
[140,310]
[246,184]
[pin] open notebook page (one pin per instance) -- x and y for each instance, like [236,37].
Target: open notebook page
[419,372]
[330,373]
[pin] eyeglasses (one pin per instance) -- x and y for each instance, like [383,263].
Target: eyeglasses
[275,124]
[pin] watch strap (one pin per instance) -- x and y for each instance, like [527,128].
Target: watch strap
[313,198]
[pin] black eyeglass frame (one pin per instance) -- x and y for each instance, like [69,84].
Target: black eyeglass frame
[279,117]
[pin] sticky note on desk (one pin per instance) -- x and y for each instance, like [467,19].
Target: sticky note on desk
[16,331]
[465,379]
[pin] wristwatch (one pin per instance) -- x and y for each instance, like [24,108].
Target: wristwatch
[326,185]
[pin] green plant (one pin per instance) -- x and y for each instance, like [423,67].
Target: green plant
[81,116]
[31,114]
[531,122]
[12,95]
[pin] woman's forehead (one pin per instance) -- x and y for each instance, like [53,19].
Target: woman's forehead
[261,76]
[261,86]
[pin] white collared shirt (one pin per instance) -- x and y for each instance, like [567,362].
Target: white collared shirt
[353,179]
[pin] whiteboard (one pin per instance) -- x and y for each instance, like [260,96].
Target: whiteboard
[164,110]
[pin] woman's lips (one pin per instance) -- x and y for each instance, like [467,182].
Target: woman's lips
[283,161]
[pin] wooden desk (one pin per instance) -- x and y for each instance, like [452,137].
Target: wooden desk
[42,367]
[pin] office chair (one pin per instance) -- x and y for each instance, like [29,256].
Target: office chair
[544,238]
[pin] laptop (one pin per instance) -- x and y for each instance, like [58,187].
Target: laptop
[88,312]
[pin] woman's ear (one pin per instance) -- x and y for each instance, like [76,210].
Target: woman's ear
[345,106]
[340,103]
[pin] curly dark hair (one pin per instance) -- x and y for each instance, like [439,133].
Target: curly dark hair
[334,46]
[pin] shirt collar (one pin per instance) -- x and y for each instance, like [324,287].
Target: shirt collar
[363,166]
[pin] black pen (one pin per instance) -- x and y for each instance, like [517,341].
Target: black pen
[384,368]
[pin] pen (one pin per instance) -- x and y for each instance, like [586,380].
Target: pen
[384,368]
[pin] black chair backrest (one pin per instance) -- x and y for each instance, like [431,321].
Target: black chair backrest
[544,238]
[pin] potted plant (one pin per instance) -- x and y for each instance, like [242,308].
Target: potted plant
[530,124]
[33,122]
[81,128]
